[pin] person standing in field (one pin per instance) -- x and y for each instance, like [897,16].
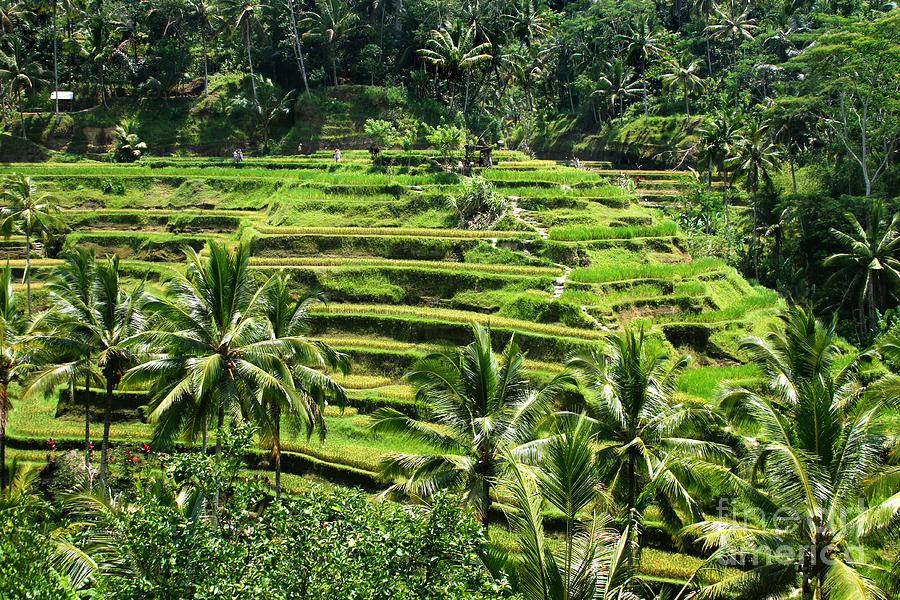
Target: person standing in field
[300,148]
[337,155]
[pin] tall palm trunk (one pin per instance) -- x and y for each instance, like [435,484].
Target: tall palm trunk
[277,426]
[4,397]
[22,114]
[297,48]
[28,263]
[219,429]
[708,55]
[250,62]
[334,64]
[205,60]
[87,417]
[205,437]
[55,63]
[755,252]
[644,77]
[107,421]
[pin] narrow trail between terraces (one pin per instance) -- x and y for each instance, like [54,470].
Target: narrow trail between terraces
[559,285]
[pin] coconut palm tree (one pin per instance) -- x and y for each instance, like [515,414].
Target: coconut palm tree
[615,84]
[332,21]
[29,211]
[643,44]
[287,317]
[683,76]
[268,106]
[818,457]
[72,283]
[718,139]
[647,446]
[298,47]
[21,71]
[869,268]
[593,562]
[481,405]
[755,154]
[243,17]
[12,326]
[732,21]
[207,15]
[705,8]
[214,357]
[455,51]
[107,330]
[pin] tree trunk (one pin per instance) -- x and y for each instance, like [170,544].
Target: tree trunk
[219,428]
[334,65]
[687,108]
[793,175]
[755,253]
[297,48]
[55,63]
[4,391]
[87,416]
[22,116]
[205,60]
[107,420]
[205,437]
[870,295]
[277,426]
[28,264]
[486,487]
[250,63]
[708,56]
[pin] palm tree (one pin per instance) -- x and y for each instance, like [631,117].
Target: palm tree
[21,70]
[614,84]
[108,330]
[705,8]
[207,15]
[732,21]
[72,283]
[242,14]
[683,76]
[214,356]
[29,211]
[12,326]
[456,53]
[593,563]
[817,453]
[646,451]
[287,317]
[332,21]
[754,155]
[481,406]
[268,106]
[101,43]
[644,44]
[298,49]
[868,268]
[529,20]
[717,142]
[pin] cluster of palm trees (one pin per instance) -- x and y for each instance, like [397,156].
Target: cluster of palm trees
[812,466]
[220,345]
[739,148]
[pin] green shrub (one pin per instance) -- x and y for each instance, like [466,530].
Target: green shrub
[478,206]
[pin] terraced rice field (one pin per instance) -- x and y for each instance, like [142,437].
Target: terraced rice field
[576,256]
